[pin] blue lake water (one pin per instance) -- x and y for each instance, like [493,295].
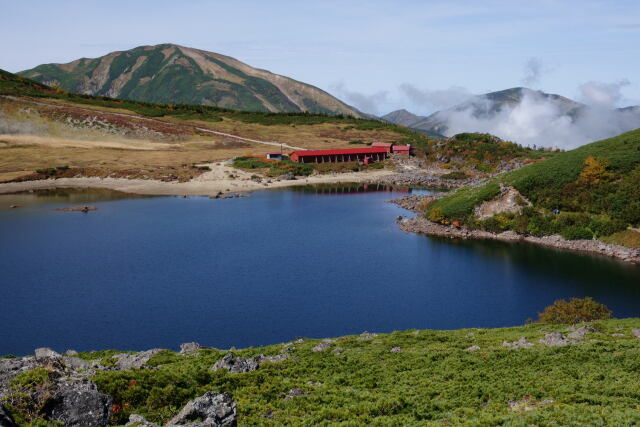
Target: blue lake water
[140,273]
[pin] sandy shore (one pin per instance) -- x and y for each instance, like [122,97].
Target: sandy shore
[218,179]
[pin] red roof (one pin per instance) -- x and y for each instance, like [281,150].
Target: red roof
[401,147]
[370,150]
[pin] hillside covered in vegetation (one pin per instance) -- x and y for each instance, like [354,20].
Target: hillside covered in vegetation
[592,191]
[539,374]
[175,74]
[481,152]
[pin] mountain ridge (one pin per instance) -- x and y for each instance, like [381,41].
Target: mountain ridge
[170,73]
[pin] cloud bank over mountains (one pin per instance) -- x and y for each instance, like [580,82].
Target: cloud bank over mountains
[542,121]
[522,115]
[529,117]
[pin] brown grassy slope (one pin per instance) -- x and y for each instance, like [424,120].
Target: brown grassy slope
[51,132]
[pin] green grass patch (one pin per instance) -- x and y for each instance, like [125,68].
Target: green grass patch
[460,204]
[273,168]
[628,238]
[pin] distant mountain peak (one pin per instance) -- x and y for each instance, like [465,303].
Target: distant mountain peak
[401,117]
[171,73]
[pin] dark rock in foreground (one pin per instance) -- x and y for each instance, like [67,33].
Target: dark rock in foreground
[79,403]
[5,419]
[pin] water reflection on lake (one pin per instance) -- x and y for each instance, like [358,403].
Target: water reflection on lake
[152,272]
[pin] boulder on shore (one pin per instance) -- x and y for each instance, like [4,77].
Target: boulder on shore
[213,409]
[521,343]
[45,353]
[78,403]
[246,364]
[189,347]
[126,361]
[581,332]
[556,339]
[139,421]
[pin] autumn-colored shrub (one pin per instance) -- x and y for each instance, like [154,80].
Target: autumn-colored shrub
[435,215]
[593,171]
[575,310]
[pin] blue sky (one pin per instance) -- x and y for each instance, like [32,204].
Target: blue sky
[378,55]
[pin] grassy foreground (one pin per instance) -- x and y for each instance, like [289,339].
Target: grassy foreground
[432,380]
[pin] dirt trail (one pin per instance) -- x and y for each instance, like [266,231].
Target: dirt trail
[137,117]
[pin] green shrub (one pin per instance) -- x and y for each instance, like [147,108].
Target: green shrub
[576,232]
[29,392]
[287,166]
[574,311]
[250,163]
[541,225]
[606,227]
[455,175]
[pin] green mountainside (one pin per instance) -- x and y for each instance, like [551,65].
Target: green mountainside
[16,85]
[173,74]
[591,191]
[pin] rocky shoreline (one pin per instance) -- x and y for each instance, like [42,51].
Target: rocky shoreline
[421,225]
[418,179]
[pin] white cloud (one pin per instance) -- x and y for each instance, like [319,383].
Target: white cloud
[368,103]
[603,94]
[533,70]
